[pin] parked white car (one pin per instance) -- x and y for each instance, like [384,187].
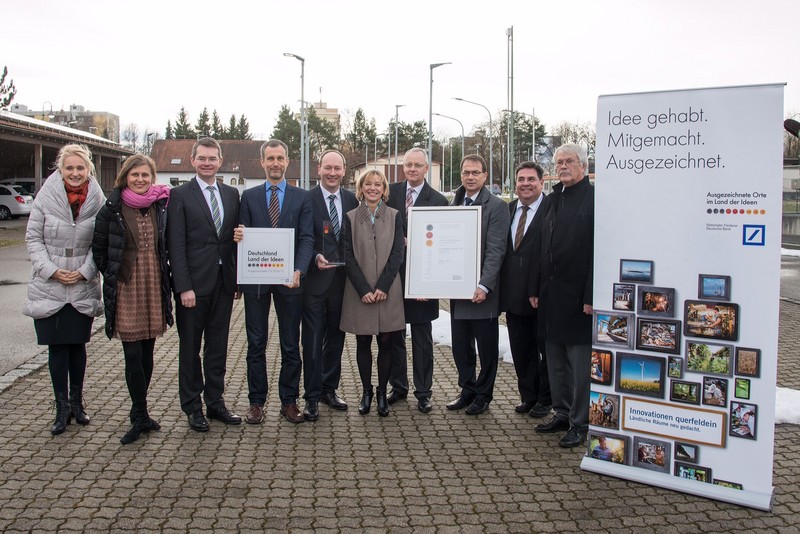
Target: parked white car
[14,202]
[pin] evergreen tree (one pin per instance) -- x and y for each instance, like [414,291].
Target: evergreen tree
[183,129]
[170,133]
[7,91]
[203,126]
[322,134]
[361,133]
[232,132]
[287,129]
[217,129]
[243,129]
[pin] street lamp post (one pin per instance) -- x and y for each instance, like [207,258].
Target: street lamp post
[491,173]
[396,116]
[303,160]
[430,121]
[462,129]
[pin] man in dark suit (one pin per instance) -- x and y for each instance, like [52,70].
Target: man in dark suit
[276,204]
[522,254]
[414,191]
[202,215]
[475,320]
[563,293]
[323,288]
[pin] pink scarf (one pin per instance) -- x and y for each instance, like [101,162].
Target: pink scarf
[137,201]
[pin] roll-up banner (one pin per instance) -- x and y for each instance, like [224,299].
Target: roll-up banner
[686,290]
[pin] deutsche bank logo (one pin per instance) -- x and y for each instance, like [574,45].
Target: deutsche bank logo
[753,235]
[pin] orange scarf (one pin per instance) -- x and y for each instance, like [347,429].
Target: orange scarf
[76,196]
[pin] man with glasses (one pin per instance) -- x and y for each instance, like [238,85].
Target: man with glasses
[323,341]
[420,313]
[201,218]
[475,321]
[563,294]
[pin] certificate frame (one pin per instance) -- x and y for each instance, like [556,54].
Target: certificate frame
[265,256]
[443,252]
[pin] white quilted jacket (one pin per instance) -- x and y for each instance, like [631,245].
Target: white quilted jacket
[54,242]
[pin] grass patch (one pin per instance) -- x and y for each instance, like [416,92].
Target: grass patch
[10,242]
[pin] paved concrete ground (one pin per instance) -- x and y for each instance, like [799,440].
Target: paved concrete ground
[441,472]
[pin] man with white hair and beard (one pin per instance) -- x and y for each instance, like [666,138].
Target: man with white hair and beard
[562,291]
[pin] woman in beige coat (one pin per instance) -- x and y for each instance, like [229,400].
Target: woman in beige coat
[373,298]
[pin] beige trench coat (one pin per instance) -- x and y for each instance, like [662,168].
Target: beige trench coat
[373,256]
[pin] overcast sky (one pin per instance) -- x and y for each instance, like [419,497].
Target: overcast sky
[144,60]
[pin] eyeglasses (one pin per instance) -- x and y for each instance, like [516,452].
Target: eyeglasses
[474,174]
[568,162]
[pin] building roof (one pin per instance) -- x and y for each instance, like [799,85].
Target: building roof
[34,129]
[239,157]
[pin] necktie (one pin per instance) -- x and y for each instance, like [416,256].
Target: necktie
[468,201]
[409,199]
[520,227]
[274,207]
[334,215]
[215,209]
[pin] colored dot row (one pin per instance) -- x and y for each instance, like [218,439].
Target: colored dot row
[281,265]
[736,211]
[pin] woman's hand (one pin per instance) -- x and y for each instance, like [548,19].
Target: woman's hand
[379,295]
[67,277]
[369,298]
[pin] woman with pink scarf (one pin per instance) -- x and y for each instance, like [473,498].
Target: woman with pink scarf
[129,249]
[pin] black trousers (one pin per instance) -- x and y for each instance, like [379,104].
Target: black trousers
[529,359]
[421,358]
[207,323]
[467,333]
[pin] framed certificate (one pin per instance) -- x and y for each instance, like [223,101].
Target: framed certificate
[444,252]
[266,256]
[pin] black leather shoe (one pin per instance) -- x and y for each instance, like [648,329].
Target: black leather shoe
[311,411]
[198,422]
[221,413]
[424,405]
[540,410]
[477,407]
[459,403]
[553,425]
[573,438]
[523,407]
[333,400]
[366,401]
[394,396]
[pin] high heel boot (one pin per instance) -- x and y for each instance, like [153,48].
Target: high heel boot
[76,406]
[383,402]
[366,401]
[63,414]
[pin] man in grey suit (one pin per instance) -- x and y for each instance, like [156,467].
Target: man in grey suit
[475,321]
[202,215]
[414,191]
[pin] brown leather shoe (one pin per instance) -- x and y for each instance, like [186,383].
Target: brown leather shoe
[292,413]
[255,415]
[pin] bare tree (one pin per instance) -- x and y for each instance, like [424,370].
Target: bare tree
[131,136]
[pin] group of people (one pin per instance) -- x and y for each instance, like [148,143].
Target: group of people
[150,242]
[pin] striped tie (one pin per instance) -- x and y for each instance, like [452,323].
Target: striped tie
[274,207]
[409,199]
[215,209]
[334,215]
[520,227]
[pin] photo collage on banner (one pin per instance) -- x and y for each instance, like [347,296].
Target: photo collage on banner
[688,195]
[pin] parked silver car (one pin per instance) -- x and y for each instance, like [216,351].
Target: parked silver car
[14,202]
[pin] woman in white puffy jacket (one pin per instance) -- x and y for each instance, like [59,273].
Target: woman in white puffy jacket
[64,290]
